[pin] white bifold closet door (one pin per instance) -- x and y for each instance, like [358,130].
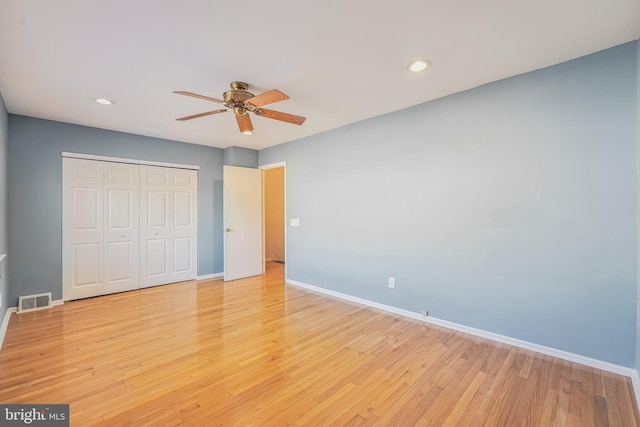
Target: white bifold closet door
[168,225]
[126,226]
[100,228]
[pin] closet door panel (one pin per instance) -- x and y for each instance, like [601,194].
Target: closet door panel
[184,227]
[155,226]
[82,224]
[157,259]
[86,268]
[122,227]
[182,255]
[169,225]
[119,265]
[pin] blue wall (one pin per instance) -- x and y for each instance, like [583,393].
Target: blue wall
[638,169]
[4,142]
[510,208]
[242,157]
[34,194]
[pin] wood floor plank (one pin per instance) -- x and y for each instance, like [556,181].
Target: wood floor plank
[536,404]
[258,352]
[528,384]
[600,411]
[629,411]
[478,404]
[615,411]
[587,405]
[564,387]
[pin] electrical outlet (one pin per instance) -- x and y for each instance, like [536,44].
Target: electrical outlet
[392,282]
[425,312]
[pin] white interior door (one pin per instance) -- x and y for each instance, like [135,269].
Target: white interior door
[82,228]
[121,227]
[168,231]
[242,211]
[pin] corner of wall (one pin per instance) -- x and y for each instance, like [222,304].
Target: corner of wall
[636,379]
[5,324]
[4,147]
[241,157]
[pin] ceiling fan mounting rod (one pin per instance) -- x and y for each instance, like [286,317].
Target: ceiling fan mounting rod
[239,86]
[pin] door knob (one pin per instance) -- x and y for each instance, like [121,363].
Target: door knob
[227,230]
[122,236]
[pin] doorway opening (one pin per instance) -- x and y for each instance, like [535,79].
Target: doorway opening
[274,213]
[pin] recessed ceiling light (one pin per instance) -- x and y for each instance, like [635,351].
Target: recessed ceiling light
[247,132]
[104,101]
[419,65]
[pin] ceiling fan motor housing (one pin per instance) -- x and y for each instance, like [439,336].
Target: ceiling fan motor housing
[236,97]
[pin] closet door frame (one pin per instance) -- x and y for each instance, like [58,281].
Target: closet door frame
[125,160]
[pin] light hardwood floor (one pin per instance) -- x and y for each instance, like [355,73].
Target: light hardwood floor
[257,352]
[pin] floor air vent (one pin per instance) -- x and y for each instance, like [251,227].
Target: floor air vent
[34,302]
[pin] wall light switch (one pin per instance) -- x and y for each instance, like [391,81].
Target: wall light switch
[295,222]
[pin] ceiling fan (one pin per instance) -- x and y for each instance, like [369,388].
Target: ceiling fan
[241,102]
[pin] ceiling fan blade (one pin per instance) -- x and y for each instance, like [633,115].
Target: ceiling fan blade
[195,116]
[277,115]
[244,123]
[195,95]
[267,98]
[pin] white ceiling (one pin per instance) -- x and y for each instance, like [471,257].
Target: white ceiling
[340,61]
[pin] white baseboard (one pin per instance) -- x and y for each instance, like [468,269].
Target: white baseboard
[571,357]
[5,323]
[210,276]
[10,311]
